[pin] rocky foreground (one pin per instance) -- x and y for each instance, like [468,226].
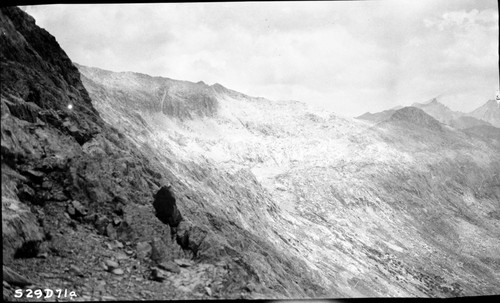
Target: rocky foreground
[153,188]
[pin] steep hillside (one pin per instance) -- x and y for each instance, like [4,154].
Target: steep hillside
[77,195]
[72,186]
[489,112]
[372,211]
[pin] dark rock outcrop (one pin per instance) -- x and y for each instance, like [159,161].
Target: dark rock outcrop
[38,77]
[189,236]
[166,208]
[61,165]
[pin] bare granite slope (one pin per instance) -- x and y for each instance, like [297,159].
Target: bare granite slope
[387,210]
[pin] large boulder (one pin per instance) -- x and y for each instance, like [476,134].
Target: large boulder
[166,208]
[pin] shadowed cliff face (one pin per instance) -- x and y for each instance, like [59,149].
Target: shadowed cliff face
[56,159]
[384,210]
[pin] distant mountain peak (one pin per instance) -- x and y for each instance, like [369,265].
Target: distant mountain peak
[376,117]
[489,112]
[439,111]
[433,101]
[415,116]
[219,88]
[217,85]
[396,107]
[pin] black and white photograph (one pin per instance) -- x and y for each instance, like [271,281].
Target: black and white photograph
[255,150]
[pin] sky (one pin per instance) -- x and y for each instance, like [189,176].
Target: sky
[348,57]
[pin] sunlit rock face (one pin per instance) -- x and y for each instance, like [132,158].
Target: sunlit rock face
[179,99]
[405,206]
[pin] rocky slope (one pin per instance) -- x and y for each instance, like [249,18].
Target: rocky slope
[152,188]
[77,195]
[384,210]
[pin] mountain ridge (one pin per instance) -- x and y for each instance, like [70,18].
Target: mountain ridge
[488,113]
[417,117]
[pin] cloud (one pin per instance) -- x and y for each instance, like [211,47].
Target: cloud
[458,54]
[349,57]
[463,20]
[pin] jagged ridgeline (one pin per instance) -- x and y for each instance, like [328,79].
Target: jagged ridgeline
[192,190]
[180,99]
[487,114]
